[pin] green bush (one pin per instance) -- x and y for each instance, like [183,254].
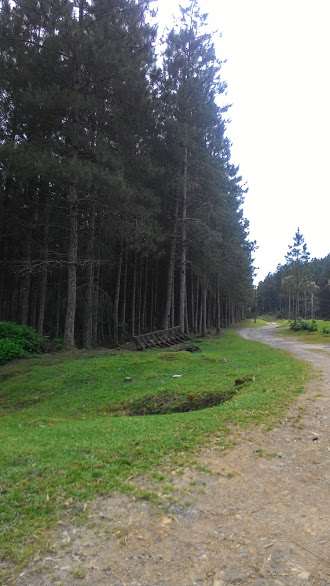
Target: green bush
[299,325]
[26,337]
[325,330]
[17,341]
[296,325]
[10,349]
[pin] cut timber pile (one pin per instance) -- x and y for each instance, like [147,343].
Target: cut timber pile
[161,338]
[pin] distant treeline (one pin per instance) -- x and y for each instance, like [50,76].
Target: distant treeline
[120,209]
[298,289]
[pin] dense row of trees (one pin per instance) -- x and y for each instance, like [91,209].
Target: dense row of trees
[120,210]
[298,288]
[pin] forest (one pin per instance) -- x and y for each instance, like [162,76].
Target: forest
[299,288]
[120,207]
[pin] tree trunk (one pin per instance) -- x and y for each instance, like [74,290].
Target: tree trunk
[197,305]
[96,303]
[26,281]
[145,295]
[297,306]
[187,328]
[33,306]
[3,278]
[289,306]
[204,310]
[227,312]
[69,329]
[201,307]
[152,301]
[134,297]
[117,297]
[58,305]
[124,304]
[3,254]
[173,306]
[139,304]
[14,305]
[192,303]
[218,310]
[88,325]
[183,264]
[171,269]
[154,315]
[44,275]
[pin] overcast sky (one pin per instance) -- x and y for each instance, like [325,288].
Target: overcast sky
[278,78]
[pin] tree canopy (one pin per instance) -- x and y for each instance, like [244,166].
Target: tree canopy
[120,208]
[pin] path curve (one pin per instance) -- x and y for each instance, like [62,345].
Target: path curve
[317,354]
[260,516]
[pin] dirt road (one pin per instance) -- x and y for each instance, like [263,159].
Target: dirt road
[257,515]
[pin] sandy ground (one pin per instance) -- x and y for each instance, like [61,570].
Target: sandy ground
[258,514]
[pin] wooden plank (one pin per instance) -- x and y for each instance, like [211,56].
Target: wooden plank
[160,338]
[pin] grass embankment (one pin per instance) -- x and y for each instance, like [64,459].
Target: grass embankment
[317,337]
[60,445]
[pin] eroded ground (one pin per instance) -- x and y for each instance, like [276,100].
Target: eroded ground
[258,514]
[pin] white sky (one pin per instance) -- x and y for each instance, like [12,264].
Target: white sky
[278,74]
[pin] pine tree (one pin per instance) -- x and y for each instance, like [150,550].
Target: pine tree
[297,259]
[207,192]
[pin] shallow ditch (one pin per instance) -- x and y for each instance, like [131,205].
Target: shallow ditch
[173,402]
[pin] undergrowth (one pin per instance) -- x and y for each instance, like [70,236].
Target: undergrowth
[312,331]
[17,341]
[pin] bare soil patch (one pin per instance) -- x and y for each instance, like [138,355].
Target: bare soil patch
[257,514]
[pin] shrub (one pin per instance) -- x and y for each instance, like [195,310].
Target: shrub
[296,325]
[10,349]
[18,340]
[26,337]
[303,325]
[325,330]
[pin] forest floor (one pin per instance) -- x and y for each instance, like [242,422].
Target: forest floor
[255,514]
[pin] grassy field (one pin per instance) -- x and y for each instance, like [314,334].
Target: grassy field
[60,444]
[311,337]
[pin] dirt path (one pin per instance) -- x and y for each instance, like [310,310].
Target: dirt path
[257,515]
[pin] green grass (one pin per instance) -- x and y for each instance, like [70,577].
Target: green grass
[311,337]
[59,446]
